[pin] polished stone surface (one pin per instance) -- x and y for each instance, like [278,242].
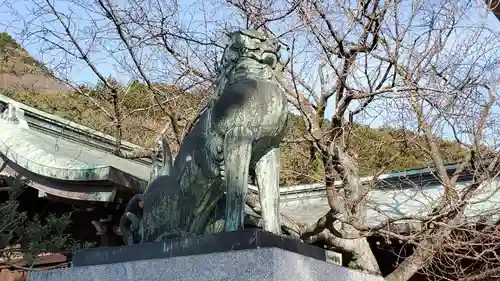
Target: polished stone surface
[252,264]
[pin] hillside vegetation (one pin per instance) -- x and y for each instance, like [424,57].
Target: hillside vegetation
[373,147]
[20,71]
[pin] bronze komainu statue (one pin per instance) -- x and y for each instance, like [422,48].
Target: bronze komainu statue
[240,131]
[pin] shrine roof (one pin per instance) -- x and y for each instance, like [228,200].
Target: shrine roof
[41,144]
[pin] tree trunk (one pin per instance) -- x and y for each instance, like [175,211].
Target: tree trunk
[363,258]
[412,264]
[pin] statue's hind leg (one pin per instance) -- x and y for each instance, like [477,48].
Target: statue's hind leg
[237,155]
[267,171]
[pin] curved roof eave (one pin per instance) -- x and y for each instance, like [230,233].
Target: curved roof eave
[61,159]
[102,191]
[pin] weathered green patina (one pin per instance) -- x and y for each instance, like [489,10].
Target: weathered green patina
[65,159]
[240,131]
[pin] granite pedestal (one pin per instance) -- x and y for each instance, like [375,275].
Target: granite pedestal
[243,255]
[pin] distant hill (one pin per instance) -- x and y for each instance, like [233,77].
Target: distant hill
[372,147]
[20,71]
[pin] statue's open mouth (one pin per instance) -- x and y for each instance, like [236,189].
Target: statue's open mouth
[265,58]
[254,45]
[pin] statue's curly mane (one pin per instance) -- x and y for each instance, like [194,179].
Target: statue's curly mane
[248,54]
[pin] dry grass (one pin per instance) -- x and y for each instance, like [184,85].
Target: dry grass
[20,71]
[30,83]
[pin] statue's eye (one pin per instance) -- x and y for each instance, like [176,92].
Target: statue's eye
[232,55]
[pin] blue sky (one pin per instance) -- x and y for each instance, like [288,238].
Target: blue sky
[191,12]
[200,16]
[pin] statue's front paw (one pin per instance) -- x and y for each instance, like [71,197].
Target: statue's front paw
[215,227]
[219,158]
[222,171]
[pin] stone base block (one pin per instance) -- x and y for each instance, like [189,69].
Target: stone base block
[260,264]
